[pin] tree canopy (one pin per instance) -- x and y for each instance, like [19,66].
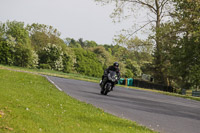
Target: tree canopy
[170,54]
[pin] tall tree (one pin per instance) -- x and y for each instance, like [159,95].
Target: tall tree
[74,44]
[15,45]
[156,11]
[81,42]
[104,56]
[18,31]
[41,35]
[90,43]
[186,57]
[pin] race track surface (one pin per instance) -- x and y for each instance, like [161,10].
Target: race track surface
[165,114]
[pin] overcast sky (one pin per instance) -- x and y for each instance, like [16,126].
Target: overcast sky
[73,18]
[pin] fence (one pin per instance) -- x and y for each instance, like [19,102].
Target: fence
[144,84]
[196,93]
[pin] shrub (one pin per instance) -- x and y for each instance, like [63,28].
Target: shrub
[128,74]
[87,63]
[52,55]
[45,66]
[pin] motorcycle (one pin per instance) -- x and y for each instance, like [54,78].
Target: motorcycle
[108,82]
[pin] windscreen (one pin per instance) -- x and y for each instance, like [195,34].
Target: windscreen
[112,73]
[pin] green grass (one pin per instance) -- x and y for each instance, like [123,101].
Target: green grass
[92,79]
[187,96]
[53,73]
[30,104]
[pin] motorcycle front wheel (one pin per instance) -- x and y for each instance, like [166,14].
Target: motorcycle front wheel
[106,89]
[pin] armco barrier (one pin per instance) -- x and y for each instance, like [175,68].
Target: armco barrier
[122,81]
[129,82]
[150,85]
[144,84]
[196,93]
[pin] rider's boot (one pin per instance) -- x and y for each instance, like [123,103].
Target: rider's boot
[100,83]
[112,88]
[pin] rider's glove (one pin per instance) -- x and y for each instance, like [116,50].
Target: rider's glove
[105,73]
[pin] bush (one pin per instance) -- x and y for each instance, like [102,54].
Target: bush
[7,50]
[45,66]
[52,55]
[128,74]
[87,63]
[12,53]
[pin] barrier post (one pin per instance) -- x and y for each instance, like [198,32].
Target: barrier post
[126,81]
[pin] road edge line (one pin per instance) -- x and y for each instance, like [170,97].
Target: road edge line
[53,83]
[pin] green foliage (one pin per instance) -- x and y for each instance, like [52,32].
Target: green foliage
[90,43]
[39,40]
[80,43]
[161,66]
[87,63]
[2,30]
[133,67]
[154,12]
[45,66]
[187,65]
[185,55]
[67,63]
[18,31]
[74,44]
[104,56]
[15,46]
[133,58]
[194,76]
[41,35]
[51,52]
[25,57]
[7,50]
[128,74]
[119,52]
[52,55]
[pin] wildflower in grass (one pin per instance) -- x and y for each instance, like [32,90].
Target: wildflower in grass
[61,106]
[1,113]
[9,128]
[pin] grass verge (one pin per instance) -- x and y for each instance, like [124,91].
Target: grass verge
[29,103]
[52,73]
[91,79]
[168,93]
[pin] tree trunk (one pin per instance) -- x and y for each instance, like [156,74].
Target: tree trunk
[158,53]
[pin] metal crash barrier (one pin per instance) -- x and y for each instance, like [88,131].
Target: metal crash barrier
[196,93]
[144,84]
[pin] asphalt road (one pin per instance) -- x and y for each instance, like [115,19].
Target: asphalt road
[165,114]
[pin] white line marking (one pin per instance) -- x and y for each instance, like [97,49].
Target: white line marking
[53,84]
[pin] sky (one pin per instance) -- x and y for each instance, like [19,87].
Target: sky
[73,18]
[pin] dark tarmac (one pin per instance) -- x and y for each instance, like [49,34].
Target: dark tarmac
[162,113]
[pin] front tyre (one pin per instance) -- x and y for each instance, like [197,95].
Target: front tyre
[107,89]
[102,92]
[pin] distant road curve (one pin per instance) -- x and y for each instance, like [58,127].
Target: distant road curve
[165,114]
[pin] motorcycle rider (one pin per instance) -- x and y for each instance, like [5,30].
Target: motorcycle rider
[114,67]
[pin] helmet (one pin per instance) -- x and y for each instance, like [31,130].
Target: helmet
[116,64]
